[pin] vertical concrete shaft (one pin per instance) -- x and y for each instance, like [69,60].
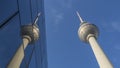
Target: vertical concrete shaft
[19,55]
[99,54]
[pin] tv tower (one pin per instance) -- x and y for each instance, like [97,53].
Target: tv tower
[30,34]
[88,33]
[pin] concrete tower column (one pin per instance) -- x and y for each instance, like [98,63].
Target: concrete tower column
[19,55]
[102,59]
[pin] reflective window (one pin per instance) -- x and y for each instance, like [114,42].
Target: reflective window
[10,38]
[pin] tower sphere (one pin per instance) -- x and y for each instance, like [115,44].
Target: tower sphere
[87,29]
[30,30]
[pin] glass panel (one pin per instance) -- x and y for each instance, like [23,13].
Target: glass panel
[9,41]
[7,7]
[33,62]
[25,11]
[10,34]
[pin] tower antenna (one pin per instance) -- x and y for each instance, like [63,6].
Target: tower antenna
[79,17]
[37,18]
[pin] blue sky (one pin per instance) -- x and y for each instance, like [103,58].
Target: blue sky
[64,48]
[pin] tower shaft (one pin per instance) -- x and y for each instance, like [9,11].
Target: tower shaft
[99,54]
[19,55]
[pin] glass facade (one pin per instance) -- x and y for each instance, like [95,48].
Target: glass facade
[14,14]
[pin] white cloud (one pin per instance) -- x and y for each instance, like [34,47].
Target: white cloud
[67,3]
[117,47]
[116,26]
[56,12]
[58,18]
[111,26]
[55,18]
[64,3]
